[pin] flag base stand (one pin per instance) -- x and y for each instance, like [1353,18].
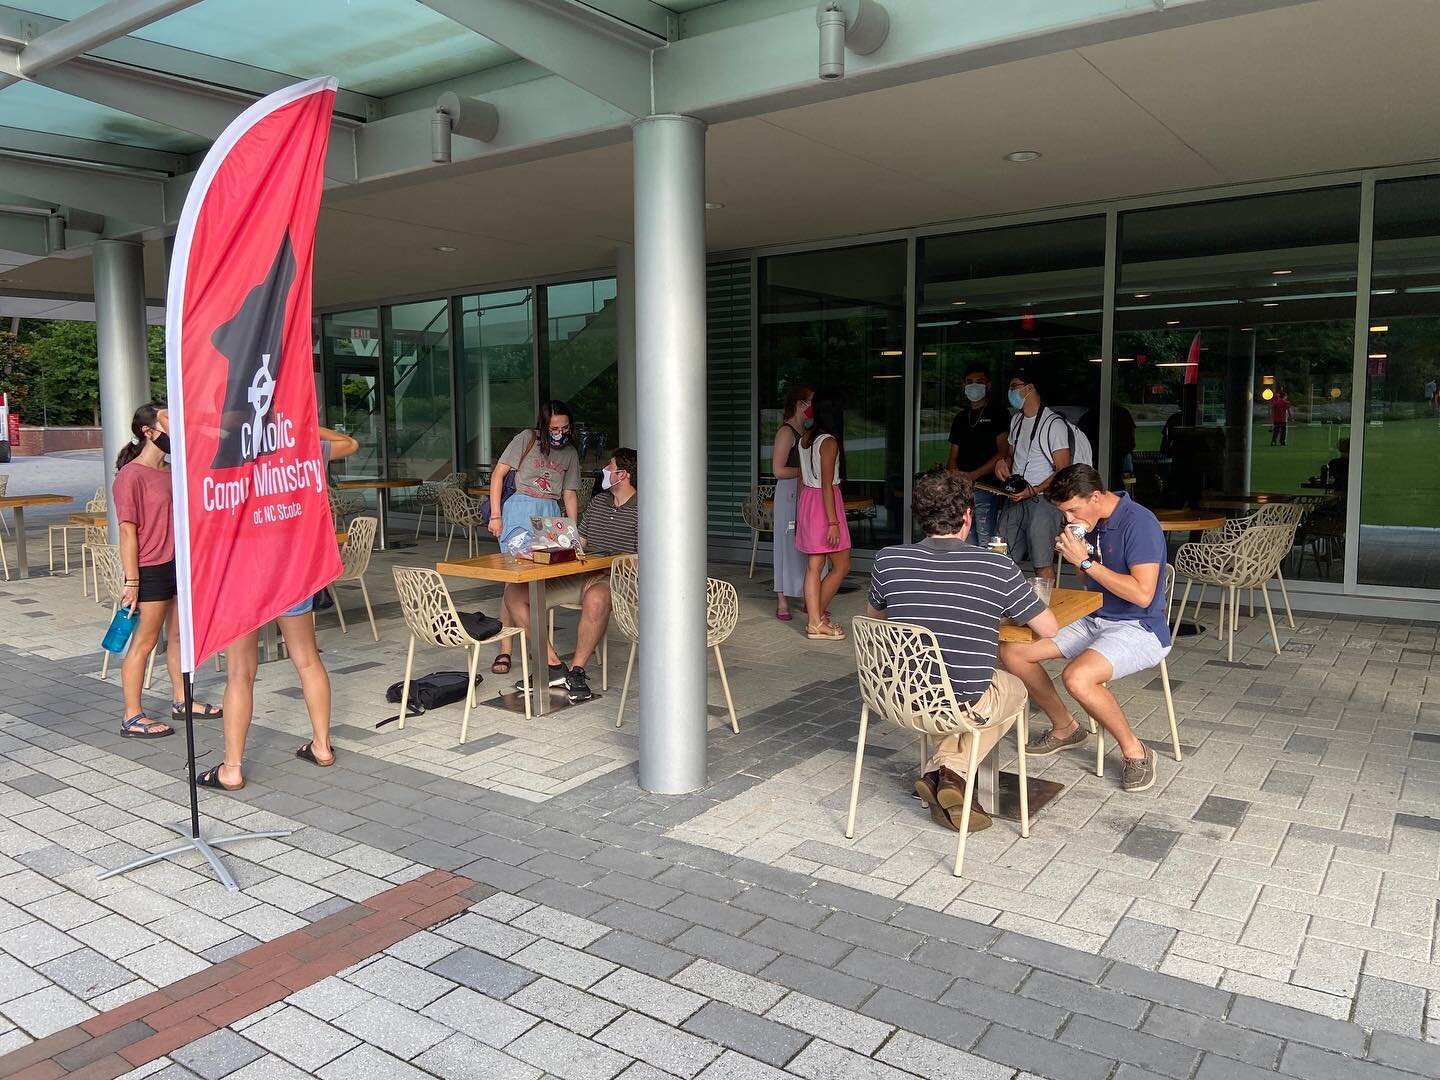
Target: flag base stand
[203,846]
[194,841]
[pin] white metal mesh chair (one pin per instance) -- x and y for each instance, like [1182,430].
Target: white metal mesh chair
[94,535]
[427,496]
[4,483]
[1247,562]
[903,679]
[1099,732]
[4,562]
[96,505]
[461,512]
[1290,514]
[342,505]
[757,510]
[355,561]
[722,613]
[431,617]
[110,577]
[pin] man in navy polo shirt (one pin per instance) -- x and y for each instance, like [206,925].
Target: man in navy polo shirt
[1122,555]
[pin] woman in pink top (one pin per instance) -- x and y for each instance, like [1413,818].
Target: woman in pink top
[142,499]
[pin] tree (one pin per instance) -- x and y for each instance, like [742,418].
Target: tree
[14,369]
[58,380]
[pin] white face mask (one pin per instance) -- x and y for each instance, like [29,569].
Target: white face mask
[976,391]
[606,479]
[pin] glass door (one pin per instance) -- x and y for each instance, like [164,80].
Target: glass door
[354,402]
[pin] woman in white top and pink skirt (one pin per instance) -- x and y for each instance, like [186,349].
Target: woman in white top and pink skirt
[821,531]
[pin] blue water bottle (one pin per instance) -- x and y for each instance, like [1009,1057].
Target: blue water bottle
[121,627]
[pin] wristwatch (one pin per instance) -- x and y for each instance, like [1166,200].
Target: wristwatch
[1085,564]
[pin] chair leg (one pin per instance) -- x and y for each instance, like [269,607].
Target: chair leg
[365,592]
[5,564]
[525,675]
[1170,708]
[605,662]
[1099,747]
[419,521]
[1022,730]
[625,690]
[1234,624]
[969,798]
[405,686]
[1221,619]
[1284,595]
[1270,614]
[1199,600]
[855,777]
[725,684]
[50,547]
[449,540]
[338,612]
[150,667]
[469,694]
[1184,599]
[1252,603]
[754,546]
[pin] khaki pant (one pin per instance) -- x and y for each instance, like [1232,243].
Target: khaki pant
[997,709]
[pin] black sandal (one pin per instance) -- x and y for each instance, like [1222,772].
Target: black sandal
[307,753]
[211,778]
[201,712]
[501,666]
[141,726]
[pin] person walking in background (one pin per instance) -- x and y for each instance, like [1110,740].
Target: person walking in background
[1279,417]
[142,499]
[821,531]
[785,464]
[546,468]
[242,660]
[977,442]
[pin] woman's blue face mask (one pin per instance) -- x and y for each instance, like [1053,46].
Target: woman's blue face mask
[559,438]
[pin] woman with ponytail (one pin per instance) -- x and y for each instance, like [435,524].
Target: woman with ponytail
[142,502]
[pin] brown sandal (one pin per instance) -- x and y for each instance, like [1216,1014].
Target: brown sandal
[501,666]
[307,753]
[211,778]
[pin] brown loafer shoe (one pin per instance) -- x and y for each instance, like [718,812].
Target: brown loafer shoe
[950,803]
[925,787]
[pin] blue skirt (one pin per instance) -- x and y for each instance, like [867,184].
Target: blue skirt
[789,561]
[520,508]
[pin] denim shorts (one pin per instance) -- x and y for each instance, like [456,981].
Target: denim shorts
[1126,644]
[303,608]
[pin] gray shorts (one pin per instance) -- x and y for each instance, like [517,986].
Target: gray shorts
[1127,645]
[1030,529]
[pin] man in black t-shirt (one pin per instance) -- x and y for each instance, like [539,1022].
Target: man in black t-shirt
[976,443]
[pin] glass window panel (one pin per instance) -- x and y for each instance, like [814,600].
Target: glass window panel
[836,319]
[1001,298]
[35,107]
[580,363]
[420,431]
[1224,312]
[350,341]
[1400,502]
[497,385]
[372,46]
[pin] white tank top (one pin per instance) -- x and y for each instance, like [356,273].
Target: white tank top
[810,464]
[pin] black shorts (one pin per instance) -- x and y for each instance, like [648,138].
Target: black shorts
[157,583]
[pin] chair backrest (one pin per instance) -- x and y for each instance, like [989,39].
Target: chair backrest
[454,479]
[903,677]
[625,595]
[4,481]
[757,509]
[722,611]
[428,609]
[95,535]
[100,502]
[458,508]
[109,572]
[355,554]
[1259,552]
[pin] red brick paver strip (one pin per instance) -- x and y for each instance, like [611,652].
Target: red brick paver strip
[152,1026]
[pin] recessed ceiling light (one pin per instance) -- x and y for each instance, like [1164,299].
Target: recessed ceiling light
[1247,329]
[1380,329]
[1022,155]
[714,206]
[1172,322]
[957,301]
[1281,273]
[1027,352]
[1141,295]
[1379,355]
[1382,292]
[1124,359]
[927,353]
[445,249]
[1271,304]
[891,352]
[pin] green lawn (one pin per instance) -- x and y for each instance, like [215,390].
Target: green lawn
[1402,458]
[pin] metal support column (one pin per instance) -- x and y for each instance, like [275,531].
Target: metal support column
[670,381]
[124,359]
[625,340]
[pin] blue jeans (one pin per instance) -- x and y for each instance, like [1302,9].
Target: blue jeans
[987,504]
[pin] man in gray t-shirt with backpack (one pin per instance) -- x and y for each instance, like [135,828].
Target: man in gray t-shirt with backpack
[1039,444]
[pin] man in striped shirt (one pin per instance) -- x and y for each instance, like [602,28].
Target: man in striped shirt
[960,593]
[609,526]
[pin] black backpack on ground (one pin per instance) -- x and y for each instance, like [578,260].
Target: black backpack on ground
[432,691]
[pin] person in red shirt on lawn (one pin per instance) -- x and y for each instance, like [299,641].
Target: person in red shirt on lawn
[1279,417]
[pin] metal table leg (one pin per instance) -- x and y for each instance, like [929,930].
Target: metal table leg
[380,519]
[539,649]
[21,554]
